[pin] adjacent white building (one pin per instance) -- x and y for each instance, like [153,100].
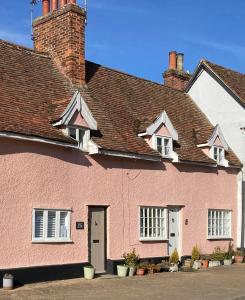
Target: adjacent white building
[220,93]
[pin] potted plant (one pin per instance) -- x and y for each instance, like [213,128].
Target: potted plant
[216,257]
[195,257]
[205,261]
[141,269]
[131,260]
[151,268]
[89,272]
[174,261]
[228,255]
[8,281]
[239,256]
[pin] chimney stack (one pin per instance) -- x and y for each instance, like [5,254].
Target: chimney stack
[176,77]
[61,33]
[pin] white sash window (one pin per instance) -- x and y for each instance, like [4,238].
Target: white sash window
[219,224]
[51,225]
[153,223]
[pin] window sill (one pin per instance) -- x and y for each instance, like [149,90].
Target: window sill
[153,240]
[219,238]
[52,242]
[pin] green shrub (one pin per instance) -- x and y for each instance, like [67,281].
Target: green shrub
[131,258]
[217,254]
[174,258]
[230,251]
[195,254]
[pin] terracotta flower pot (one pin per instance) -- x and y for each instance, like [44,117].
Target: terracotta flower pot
[140,272]
[205,263]
[239,259]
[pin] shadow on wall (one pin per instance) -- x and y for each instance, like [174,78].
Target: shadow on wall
[191,168]
[110,162]
[11,146]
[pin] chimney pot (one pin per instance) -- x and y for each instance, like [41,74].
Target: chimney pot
[54,5]
[46,7]
[180,62]
[72,1]
[172,60]
[63,3]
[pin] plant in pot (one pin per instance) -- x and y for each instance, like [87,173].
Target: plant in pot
[195,257]
[216,257]
[141,269]
[131,260]
[8,281]
[228,255]
[152,268]
[205,261]
[89,272]
[174,261]
[239,257]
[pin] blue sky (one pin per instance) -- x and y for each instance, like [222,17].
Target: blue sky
[135,36]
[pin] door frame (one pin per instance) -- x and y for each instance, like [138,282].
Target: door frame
[180,210]
[105,232]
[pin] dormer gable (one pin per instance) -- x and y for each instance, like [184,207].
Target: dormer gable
[160,136]
[216,147]
[77,122]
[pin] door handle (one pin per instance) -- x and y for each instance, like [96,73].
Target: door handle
[96,241]
[172,234]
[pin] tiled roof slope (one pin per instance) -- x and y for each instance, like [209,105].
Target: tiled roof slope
[124,106]
[30,85]
[234,80]
[34,92]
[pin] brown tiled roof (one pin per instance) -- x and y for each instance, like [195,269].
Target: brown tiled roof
[234,80]
[33,93]
[30,86]
[124,106]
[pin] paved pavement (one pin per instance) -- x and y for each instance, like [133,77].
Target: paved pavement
[216,283]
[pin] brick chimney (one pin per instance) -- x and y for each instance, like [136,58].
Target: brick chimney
[61,32]
[175,77]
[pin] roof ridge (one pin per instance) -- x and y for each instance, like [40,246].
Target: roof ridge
[220,66]
[24,48]
[134,76]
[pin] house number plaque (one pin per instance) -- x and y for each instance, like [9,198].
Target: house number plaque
[79,225]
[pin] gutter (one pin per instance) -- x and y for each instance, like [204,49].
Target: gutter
[23,137]
[129,155]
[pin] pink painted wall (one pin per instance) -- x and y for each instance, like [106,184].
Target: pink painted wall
[45,176]
[78,120]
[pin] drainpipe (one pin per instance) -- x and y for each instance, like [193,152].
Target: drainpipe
[243,208]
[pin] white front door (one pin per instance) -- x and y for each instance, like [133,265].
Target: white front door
[173,227]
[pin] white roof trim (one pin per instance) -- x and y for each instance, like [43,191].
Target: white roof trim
[77,104]
[129,155]
[217,133]
[162,119]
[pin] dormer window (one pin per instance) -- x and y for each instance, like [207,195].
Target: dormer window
[81,135]
[164,145]
[218,154]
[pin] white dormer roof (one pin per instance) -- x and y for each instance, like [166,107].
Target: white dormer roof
[163,119]
[217,133]
[77,104]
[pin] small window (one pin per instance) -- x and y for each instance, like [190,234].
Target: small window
[164,145]
[219,224]
[51,225]
[81,135]
[218,154]
[153,223]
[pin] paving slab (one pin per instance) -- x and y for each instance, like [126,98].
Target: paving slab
[227,282]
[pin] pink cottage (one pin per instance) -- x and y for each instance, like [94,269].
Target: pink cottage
[96,162]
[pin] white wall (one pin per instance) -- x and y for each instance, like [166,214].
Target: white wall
[221,108]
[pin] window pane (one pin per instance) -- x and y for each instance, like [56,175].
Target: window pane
[51,224]
[72,133]
[38,224]
[64,224]
[219,223]
[159,145]
[166,146]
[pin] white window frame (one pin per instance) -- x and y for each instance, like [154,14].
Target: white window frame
[45,238]
[164,237]
[83,144]
[220,154]
[218,221]
[163,138]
